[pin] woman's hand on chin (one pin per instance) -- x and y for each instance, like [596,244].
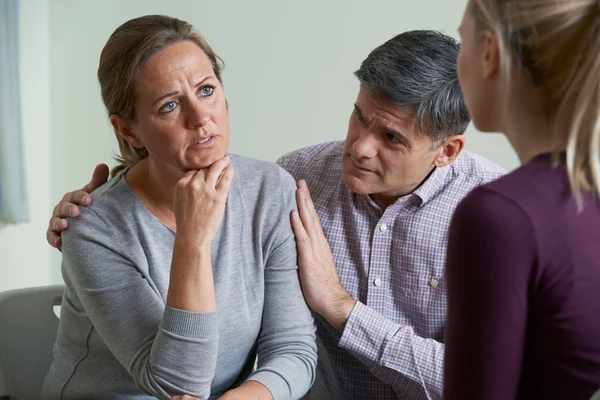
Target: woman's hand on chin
[199,202]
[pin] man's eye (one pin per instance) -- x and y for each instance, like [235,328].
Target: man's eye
[391,138]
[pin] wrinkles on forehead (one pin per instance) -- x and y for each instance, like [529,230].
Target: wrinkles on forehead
[171,70]
[385,115]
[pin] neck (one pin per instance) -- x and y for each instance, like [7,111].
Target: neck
[531,135]
[161,180]
[154,185]
[529,123]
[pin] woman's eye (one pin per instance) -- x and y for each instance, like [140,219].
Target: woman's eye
[170,106]
[207,90]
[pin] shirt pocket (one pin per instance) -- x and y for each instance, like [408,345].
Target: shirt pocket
[419,282]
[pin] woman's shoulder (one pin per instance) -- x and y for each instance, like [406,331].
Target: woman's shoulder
[540,188]
[253,173]
[110,204]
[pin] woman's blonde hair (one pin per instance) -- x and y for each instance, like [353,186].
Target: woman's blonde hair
[558,42]
[130,45]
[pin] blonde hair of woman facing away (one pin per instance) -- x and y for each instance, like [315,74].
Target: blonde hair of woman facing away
[551,48]
[181,272]
[523,265]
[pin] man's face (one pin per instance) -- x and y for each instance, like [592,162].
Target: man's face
[384,155]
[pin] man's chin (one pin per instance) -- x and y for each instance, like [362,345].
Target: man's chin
[355,184]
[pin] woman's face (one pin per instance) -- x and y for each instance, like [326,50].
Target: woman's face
[477,70]
[180,109]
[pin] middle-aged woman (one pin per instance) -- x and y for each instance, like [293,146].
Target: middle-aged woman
[523,267]
[180,273]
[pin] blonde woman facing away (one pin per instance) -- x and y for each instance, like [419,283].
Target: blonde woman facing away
[523,265]
[180,273]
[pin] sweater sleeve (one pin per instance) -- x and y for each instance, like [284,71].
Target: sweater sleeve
[491,254]
[167,351]
[287,352]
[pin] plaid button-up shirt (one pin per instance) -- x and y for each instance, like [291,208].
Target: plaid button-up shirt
[392,262]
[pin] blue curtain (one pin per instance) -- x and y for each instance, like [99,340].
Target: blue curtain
[13,200]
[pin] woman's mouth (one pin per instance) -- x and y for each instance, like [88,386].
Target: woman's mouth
[204,143]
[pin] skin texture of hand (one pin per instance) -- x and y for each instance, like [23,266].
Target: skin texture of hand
[67,207]
[184,397]
[250,390]
[199,202]
[321,286]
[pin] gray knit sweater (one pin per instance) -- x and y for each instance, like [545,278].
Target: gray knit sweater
[118,339]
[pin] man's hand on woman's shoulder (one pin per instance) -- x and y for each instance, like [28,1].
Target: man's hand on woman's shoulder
[67,207]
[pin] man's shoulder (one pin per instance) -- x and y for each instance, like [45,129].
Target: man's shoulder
[305,162]
[477,168]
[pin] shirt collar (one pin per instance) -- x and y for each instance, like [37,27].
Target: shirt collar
[432,185]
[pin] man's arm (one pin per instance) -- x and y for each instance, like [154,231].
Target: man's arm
[67,207]
[394,353]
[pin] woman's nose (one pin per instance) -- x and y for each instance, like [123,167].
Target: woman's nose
[198,115]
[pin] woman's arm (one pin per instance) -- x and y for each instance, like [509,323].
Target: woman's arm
[287,352]
[167,350]
[199,205]
[491,253]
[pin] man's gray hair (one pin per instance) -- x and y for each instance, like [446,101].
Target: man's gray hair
[417,69]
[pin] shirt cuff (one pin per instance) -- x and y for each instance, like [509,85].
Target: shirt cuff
[365,332]
[189,324]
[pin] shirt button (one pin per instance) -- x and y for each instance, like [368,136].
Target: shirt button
[383,227]
[377,282]
[434,283]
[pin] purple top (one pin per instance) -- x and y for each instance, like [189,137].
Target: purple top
[523,281]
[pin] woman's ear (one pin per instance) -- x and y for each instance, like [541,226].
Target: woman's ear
[123,129]
[491,55]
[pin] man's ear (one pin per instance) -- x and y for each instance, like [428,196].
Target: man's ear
[123,129]
[449,150]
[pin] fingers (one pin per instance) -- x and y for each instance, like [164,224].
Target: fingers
[304,209]
[187,177]
[58,225]
[53,239]
[302,239]
[65,209]
[224,182]
[308,212]
[99,177]
[55,227]
[215,171]
[308,200]
[77,197]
